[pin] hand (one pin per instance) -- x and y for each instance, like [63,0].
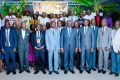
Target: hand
[92,49]
[3,51]
[14,50]
[79,49]
[41,47]
[58,50]
[36,48]
[76,50]
[98,48]
[119,52]
[107,49]
[48,50]
[62,50]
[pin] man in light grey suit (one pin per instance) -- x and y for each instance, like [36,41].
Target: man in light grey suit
[52,38]
[68,46]
[103,45]
[23,48]
[85,45]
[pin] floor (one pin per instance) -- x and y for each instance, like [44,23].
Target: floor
[61,76]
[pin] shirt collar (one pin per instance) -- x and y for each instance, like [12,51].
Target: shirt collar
[85,27]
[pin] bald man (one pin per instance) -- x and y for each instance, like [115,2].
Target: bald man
[103,46]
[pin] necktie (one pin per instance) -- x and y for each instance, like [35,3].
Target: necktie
[38,33]
[7,39]
[85,30]
[69,31]
[53,32]
[103,31]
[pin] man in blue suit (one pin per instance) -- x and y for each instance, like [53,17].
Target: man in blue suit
[61,56]
[86,45]
[38,42]
[8,46]
[68,46]
[23,47]
[52,38]
[93,54]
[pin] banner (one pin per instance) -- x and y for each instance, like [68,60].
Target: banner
[55,7]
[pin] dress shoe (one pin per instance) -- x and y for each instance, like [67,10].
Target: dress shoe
[50,72]
[14,72]
[99,71]
[37,71]
[103,72]
[116,74]
[88,71]
[8,72]
[56,72]
[111,73]
[62,68]
[44,72]
[65,72]
[72,71]
[93,69]
[80,71]
[21,71]
[28,71]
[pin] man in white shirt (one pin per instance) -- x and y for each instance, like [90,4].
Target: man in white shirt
[2,21]
[43,19]
[115,50]
[72,17]
[10,17]
[64,18]
[89,16]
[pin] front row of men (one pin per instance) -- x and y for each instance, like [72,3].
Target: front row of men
[67,41]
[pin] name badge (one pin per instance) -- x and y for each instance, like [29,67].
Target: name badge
[38,40]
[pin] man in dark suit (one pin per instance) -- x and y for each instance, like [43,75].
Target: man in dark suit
[38,42]
[98,19]
[23,47]
[8,46]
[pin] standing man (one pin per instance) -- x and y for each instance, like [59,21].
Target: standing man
[98,19]
[52,38]
[61,56]
[10,17]
[72,17]
[8,46]
[23,48]
[115,50]
[86,45]
[103,46]
[68,46]
[38,41]
[93,54]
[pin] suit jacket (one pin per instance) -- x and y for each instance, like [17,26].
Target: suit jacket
[86,40]
[65,39]
[52,41]
[105,40]
[42,39]
[95,36]
[23,43]
[12,38]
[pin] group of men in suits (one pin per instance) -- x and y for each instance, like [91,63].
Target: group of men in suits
[61,43]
